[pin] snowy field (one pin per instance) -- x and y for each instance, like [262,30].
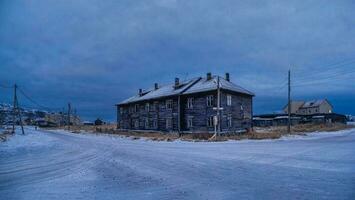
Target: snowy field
[59,165]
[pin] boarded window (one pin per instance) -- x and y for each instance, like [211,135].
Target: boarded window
[190,103]
[209,100]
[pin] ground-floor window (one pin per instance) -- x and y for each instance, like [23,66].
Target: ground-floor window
[146,123]
[229,121]
[136,123]
[155,124]
[168,123]
[189,122]
[210,121]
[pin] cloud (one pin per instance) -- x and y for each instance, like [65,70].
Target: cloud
[103,51]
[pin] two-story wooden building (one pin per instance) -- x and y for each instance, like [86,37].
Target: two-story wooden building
[189,106]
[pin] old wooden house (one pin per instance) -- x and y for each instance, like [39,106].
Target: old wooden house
[321,106]
[189,106]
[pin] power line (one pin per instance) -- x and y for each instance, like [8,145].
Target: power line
[35,102]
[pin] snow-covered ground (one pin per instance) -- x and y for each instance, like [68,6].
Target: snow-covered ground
[59,165]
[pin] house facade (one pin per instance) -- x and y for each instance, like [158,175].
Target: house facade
[321,106]
[189,106]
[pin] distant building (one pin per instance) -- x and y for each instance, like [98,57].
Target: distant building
[321,106]
[188,106]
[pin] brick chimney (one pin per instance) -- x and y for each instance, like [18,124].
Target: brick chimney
[156,86]
[209,76]
[177,82]
[140,92]
[227,76]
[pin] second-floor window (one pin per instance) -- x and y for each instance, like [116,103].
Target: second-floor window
[147,107]
[190,103]
[229,100]
[136,108]
[169,104]
[209,100]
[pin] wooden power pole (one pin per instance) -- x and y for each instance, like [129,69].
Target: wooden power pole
[289,102]
[69,110]
[16,111]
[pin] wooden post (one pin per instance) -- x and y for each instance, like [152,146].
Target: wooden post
[289,102]
[69,110]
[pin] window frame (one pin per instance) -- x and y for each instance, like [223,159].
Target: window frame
[169,102]
[229,100]
[147,107]
[209,100]
[190,103]
[189,122]
[168,123]
[210,121]
[229,121]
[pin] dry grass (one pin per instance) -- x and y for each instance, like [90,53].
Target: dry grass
[256,134]
[5,135]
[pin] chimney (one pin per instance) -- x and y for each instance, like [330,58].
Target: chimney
[209,76]
[227,77]
[140,92]
[177,82]
[156,86]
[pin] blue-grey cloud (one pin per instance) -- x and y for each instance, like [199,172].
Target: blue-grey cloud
[96,53]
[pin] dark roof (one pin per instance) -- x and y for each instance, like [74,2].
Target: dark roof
[191,86]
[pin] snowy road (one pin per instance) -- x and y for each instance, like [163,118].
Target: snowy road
[57,165]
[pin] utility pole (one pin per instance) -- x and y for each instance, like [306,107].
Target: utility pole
[69,110]
[217,118]
[218,106]
[13,109]
[16,110]
[289,102]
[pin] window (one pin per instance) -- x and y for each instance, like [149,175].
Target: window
[136,123]
[156,106]
[229,121]
[155,124]
[209,100]
[146,123]
[241,111]
[190,103]
[121,110]
[169,104]
[210,121]
[136,108]
[168,123]
[189,122]
[229,100]
[147,105]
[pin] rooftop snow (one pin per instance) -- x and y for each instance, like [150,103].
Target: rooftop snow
[187,87]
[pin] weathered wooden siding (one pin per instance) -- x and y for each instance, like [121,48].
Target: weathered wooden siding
[240,111]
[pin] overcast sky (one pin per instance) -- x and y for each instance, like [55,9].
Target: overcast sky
[96,53]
